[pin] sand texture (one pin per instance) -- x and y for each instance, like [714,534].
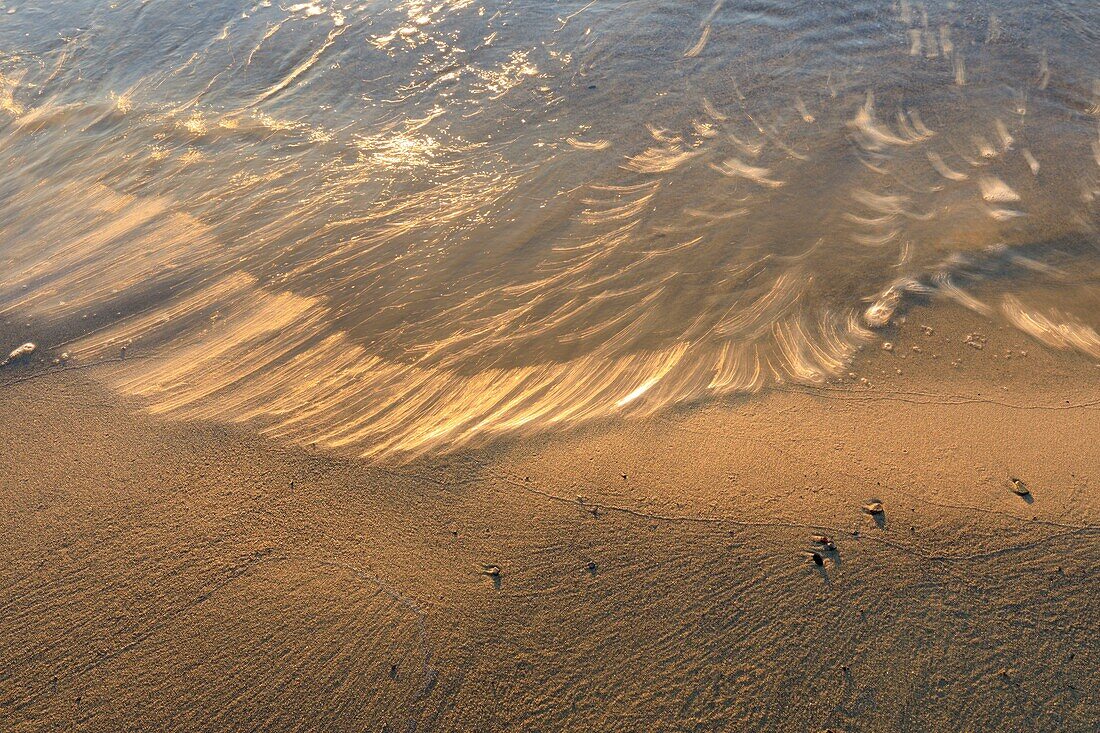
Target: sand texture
[161,575]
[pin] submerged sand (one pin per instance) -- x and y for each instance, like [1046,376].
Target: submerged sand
[174,576]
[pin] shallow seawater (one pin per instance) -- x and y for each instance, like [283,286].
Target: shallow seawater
[398,226]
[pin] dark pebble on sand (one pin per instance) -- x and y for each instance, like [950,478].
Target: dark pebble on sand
[815,556]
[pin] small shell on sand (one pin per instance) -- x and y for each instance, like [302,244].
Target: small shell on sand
[874,507]
[1019,487]
[19,352]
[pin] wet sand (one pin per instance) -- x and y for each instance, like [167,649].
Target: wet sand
[183,576]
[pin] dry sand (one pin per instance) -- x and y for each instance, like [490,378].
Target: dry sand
[167,576]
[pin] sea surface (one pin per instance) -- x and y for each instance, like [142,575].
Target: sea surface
[391,227]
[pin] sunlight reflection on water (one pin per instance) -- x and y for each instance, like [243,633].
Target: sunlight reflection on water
[395,227]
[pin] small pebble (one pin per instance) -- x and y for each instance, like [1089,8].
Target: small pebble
[874,507]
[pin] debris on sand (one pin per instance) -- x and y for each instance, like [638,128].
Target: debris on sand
[885,306]
[824,541]
[591,566]
[1019,488]
[815,556]
[975,341]
[879,313]
[493,571]
[887,346]
[874,507]
[19,352]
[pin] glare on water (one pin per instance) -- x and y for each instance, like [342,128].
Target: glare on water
[392,227]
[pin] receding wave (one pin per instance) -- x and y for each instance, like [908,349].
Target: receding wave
[401,227]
